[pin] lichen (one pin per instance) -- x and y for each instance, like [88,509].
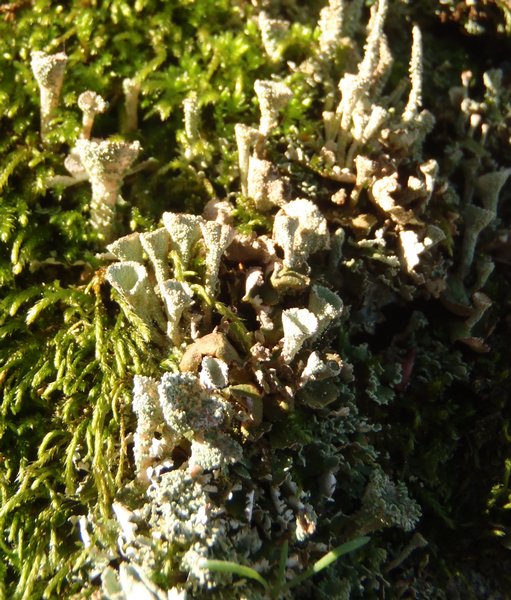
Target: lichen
[49,71]
[300,334]
[106,163]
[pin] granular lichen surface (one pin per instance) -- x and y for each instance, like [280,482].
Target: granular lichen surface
[254,299]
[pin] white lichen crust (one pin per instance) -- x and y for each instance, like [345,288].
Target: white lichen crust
[330,25]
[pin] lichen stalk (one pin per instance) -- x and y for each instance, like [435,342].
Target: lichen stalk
[131,89]
[107,163]
[49,71]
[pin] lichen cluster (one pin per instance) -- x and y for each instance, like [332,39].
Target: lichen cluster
[287,333]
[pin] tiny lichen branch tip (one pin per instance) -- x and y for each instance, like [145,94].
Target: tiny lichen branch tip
[415,98]
[370,60]
[91,104]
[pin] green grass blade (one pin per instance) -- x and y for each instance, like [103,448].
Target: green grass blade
[281,574]
[328,559]
[225,566]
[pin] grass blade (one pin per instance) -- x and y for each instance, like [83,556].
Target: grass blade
[328,559]
[281,574]
[225,566]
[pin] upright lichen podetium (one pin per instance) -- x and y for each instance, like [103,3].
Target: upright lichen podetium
[49,71]
[106,163]
[91,104]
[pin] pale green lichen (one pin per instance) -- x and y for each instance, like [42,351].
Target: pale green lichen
[273,35]
[299,325]
[251,422]
[176,298]
[386,503]
[91,104]
[127,248]
[214,373]
[184,232]
[217,238]
[106,163]
[49,71]
[186,406]
[157,246]
[131,281]
[273,97]
[300,230]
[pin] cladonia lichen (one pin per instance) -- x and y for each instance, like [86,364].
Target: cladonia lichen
[49,71]
[106,163]
[294,323]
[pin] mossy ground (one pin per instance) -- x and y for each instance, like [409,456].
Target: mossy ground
[68,354]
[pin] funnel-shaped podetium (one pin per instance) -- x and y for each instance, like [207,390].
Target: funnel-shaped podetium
[300,230]
[135,288]
[489,186]
[157,246]
[177,299]
[476,219]
[273,96]
[107,163]
[217,238]
[184,233]
[49,71]
[128,248]
[298,324]
[246,139]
